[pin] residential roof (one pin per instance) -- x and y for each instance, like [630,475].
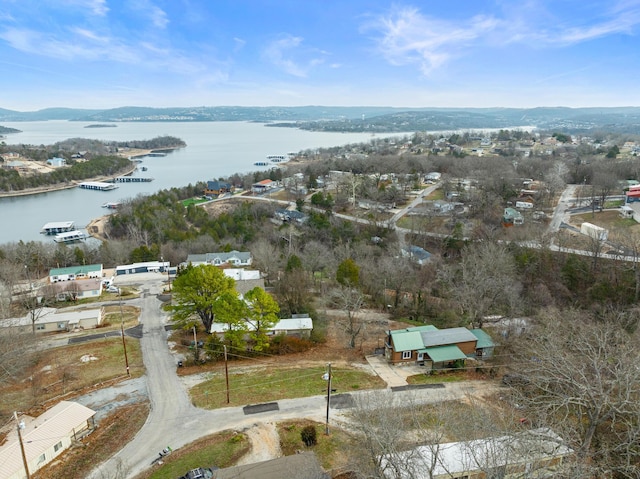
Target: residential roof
[439,354]
[406,340]
[42,433]
[297,466]
[456,458]
[53,315]
[217,185]
[446,336]
[76,270]
[287,324]
[222,257]
[484,340]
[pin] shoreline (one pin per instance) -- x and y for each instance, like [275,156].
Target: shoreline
[60,187]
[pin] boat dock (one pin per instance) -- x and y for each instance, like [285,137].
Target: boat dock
[56,227]
[70,236]
[130,179]
[97,185]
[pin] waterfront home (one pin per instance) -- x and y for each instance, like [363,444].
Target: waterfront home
[215,188]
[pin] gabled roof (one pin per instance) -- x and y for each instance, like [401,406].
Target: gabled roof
[447,336]
[217,185]
[41,434]
[406,340]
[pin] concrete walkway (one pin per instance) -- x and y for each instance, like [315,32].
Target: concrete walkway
[394,376]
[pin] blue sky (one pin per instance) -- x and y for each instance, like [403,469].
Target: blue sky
[440,53]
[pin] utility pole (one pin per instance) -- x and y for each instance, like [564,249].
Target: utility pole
[124,343]
[327,377]
[20,425]
[226,371]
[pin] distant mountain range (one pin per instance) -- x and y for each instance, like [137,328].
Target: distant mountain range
[361,119]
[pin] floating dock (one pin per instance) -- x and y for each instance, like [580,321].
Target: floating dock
[70,236]
[56,227]
[97,185]
[130,179]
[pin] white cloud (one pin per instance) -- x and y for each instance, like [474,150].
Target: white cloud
[409,37]
[283,51]
[157,15]
[96,7]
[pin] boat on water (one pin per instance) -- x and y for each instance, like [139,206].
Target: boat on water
[112,205]
[277,158]
[56,227]
[144,168]
[261,163]
[70,236]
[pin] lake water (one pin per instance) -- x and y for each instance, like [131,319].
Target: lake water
[214,149]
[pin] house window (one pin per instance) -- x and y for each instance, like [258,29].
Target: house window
[420,356]
[62,325]
[40,327]
[406,354]
[42,458]
[57,447]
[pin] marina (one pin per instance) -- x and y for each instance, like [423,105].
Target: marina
[56,227]
[70,236]
[97,185]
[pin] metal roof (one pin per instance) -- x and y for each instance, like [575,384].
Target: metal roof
[439,354]
[81,269]
[41,434]
[406,340]
[484,340]
[447,336]
[297,466]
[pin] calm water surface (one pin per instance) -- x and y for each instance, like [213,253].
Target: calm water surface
[214,149]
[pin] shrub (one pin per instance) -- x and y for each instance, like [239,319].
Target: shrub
[309,436]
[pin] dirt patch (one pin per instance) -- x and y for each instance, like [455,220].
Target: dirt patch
[265,443]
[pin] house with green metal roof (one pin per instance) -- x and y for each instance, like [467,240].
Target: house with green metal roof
[72,273]
[430,346]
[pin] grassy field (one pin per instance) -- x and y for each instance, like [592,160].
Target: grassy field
[60,371]
[449,377]
[332,450]
[270,384]
[220,450]
[193,201]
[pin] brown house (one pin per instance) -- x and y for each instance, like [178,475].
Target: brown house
[216,188]
[433,347]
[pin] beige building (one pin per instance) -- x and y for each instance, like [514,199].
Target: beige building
[44,438]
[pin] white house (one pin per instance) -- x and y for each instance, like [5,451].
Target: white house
[536,453]
[146,267]
[298,325]
[49,320]
[72,273]
[44,438]
[235,258]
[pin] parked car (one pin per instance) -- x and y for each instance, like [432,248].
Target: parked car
[198,473]
[113,289]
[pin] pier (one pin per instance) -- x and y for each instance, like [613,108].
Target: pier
[130,179]
[97,185]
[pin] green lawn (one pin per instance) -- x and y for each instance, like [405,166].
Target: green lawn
[273,384]
[436,377]
[220,450]
[193,201]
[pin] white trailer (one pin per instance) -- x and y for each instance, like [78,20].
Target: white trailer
[594,231]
